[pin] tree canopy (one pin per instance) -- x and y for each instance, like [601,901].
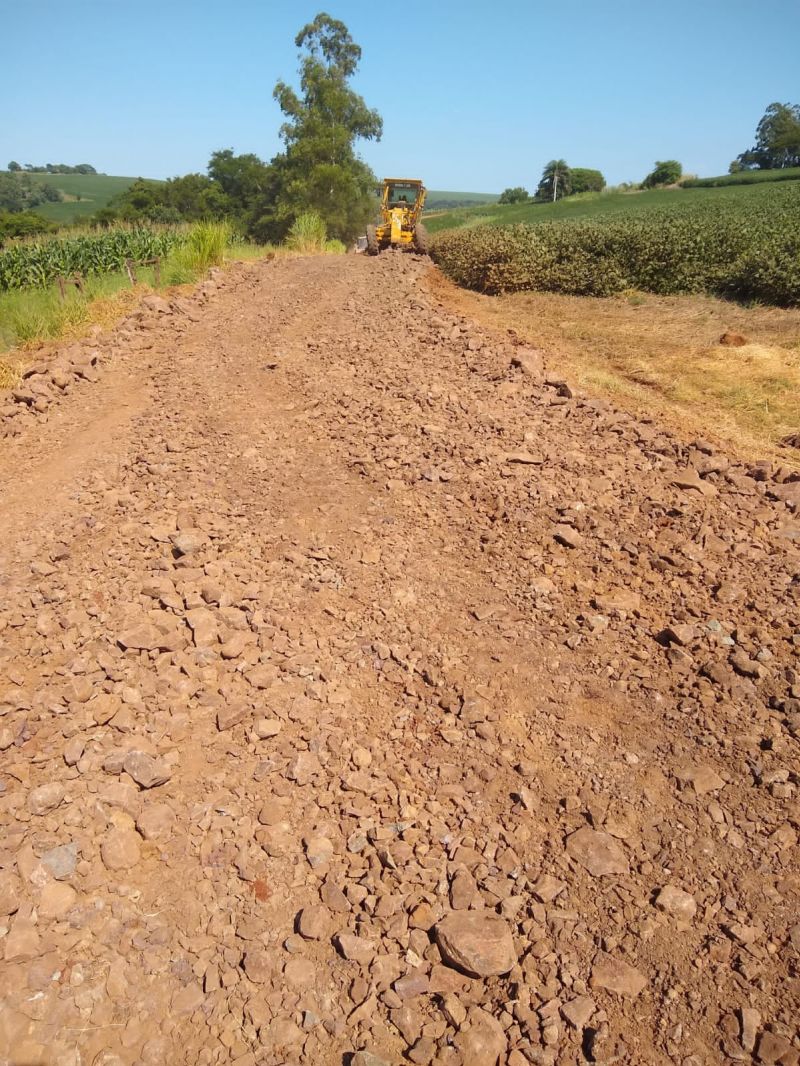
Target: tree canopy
[241,178]
[777,141]
[23,224]
[665,172]
[189,198]
[585,179]
[19,193]
[556,181]
[319,169]
[517,195]
[53,168]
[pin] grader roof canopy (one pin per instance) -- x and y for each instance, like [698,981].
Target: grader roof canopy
[401,190]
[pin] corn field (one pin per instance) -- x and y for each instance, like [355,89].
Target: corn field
[33,263]
[723,247]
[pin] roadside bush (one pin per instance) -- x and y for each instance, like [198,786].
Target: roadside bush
[508,259]
[770,278]
[23,224]
[748,252]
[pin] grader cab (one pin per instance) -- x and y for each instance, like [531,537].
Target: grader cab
[402,200]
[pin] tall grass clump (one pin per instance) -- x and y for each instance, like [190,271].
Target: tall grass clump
[203,247]
[308,235]
[745,250]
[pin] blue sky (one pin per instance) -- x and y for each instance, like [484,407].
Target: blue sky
[474,95]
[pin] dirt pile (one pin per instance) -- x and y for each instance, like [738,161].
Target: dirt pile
[364,692]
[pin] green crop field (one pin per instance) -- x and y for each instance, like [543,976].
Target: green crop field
[94,190]
[40,262]
[743,177]
[741,242]
[602,205]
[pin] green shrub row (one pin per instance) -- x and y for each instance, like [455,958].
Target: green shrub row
[39,262]
[743,177]
[742,251]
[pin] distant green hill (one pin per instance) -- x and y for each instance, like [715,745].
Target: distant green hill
[436,200]
[95,191]
[84,194]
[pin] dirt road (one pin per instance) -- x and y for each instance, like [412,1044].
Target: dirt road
[362,693]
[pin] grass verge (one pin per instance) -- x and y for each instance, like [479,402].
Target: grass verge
[661,357]
[29,316]
[32,316]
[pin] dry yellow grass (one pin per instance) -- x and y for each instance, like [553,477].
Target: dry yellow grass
[104,311]
[10,372]
[661,356]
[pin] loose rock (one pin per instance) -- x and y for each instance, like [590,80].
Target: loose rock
[146,771]
[481,1042]
[120,849]
[46,798]
[477,942]
[10,888]
[597,852]
[56,899]
[676,902]
[617,976]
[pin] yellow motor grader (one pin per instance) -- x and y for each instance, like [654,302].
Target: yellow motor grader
[402,200]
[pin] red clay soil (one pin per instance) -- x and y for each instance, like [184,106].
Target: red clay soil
[367,696]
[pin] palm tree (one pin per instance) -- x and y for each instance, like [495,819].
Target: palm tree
[556,181]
